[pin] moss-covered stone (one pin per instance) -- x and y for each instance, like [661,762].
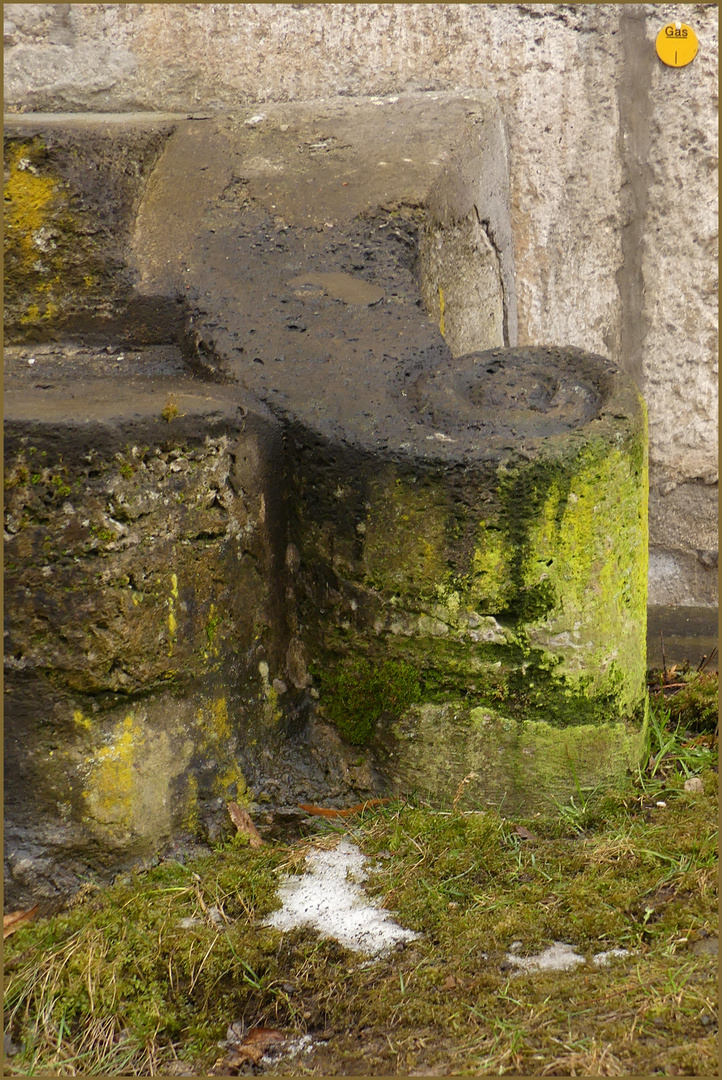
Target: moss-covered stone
[508,763]
[513,581]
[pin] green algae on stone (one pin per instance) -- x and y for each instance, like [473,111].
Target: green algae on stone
[515,763]
[404,533]
[505,577]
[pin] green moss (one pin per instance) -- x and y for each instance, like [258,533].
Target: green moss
[105,536]
[214,621]
[404,535]
[60,486]
[123,957]
[578,532]
[169,411]
[489,585]
[358,692]
[16,476]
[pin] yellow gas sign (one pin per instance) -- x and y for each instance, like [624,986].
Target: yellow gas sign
[677,44]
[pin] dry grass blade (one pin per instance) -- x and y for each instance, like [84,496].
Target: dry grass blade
[460,790]
[16,919]
[594,1063]
[242,820]
[610,850]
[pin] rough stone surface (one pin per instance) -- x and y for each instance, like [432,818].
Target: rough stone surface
[145,584]
[134,575]
[612,155]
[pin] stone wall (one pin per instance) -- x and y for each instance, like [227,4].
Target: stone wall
[612,157]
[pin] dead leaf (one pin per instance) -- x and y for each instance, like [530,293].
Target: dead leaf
[332,812]
[263,1036]
[524,833]
[242,820]
[16,919]
[256,1042]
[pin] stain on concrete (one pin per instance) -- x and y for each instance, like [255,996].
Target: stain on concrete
[634,143]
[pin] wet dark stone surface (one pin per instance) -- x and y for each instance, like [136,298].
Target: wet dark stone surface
[520,394]
[688,633]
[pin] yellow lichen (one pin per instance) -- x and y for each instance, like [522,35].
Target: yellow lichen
[49,253]
[80,720]
[231,783]
[172,620]
[29,197]
[216,740]
[128,788]
[110,796]
[212,719]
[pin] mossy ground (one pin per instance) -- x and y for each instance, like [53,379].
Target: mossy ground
[116,985]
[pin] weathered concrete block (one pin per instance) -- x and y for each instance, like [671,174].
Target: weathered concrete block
[602,136]
[495,560]
[139,585]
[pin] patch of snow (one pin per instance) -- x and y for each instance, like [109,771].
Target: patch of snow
[302,1045]
[329,898]
[601,959]
[557,957]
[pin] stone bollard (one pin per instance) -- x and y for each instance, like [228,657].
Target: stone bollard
[474,596]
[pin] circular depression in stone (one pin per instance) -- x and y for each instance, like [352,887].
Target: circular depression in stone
[519,393]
